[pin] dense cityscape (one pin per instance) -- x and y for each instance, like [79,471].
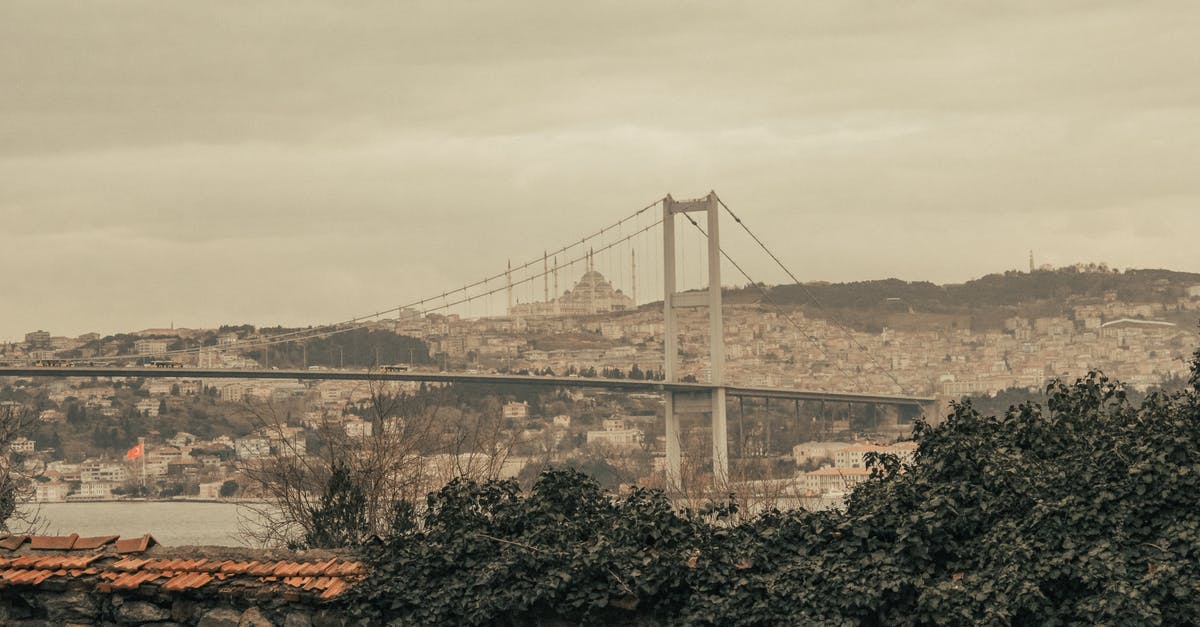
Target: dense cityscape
[200,435]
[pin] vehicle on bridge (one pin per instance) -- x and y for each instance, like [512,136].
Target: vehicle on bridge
[164,363]
[50,363]
[395,368]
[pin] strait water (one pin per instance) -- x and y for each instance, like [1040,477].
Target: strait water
[171,523]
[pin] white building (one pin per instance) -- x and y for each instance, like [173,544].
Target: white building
[96,489]
[807,452]
[613,424]
[93,471]
[52,492]
[148,407]
[358,429]
[23,445]
[828,480]
[251,447]
[623,439]
[289,440]
[233,393]
[855,456]
[158,387]
[150,347]
[516,411]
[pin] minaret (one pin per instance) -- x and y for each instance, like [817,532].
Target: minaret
[633,277]
[1030,262]
[557,295]
[545,278]
[592,287]
[508,285]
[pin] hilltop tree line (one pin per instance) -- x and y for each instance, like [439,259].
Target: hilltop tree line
[1044,292]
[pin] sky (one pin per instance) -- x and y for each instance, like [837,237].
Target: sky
[295,162]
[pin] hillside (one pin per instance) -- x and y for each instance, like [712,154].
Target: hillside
[981,303]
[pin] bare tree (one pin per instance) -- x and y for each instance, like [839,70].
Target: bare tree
[17,487]
[755,484]
[414,443]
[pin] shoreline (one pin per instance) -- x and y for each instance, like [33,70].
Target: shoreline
[151,500]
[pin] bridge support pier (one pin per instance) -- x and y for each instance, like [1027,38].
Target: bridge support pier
[674,450]
[720,440]
[711,402]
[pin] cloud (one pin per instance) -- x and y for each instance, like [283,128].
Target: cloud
[290,161]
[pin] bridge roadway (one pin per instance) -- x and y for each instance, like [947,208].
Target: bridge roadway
[630,385]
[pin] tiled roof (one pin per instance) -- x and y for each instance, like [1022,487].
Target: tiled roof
[111,563]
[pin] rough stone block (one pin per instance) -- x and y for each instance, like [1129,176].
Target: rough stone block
[297,619]
[220,617]
[328,618]
[141,612]
[69,606]
[254,617]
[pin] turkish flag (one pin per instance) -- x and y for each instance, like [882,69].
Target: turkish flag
[134,452]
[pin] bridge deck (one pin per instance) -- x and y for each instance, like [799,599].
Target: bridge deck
[453,377]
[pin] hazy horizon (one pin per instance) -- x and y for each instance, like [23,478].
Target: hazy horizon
[302,162]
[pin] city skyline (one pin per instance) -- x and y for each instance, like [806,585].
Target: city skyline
[305,163]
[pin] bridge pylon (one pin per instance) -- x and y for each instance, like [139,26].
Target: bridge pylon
[711,401]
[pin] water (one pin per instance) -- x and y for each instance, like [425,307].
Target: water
[171,523]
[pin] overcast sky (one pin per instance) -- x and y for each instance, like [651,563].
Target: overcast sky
[299,162]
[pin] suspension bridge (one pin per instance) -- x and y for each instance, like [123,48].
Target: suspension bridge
[684,234]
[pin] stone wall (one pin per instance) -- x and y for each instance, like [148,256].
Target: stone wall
[74,605]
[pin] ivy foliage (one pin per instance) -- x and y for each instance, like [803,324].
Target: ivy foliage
[1083,511]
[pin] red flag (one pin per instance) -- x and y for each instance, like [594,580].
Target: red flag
[134,452]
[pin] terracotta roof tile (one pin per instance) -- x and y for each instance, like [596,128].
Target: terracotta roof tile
[259,569]
[26,576]
[350,568]
[130,581]
[49,563]
[187,580]
[115,569]
[94,542]
[12,542]
[336,588]
[131,563]
[316,568]
[53,543]
[25,561]
[230,566]
[136,545]
[80,562]
[287,569]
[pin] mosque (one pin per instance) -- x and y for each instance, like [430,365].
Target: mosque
[593,294]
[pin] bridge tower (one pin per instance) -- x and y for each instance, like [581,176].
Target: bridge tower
[711,401]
